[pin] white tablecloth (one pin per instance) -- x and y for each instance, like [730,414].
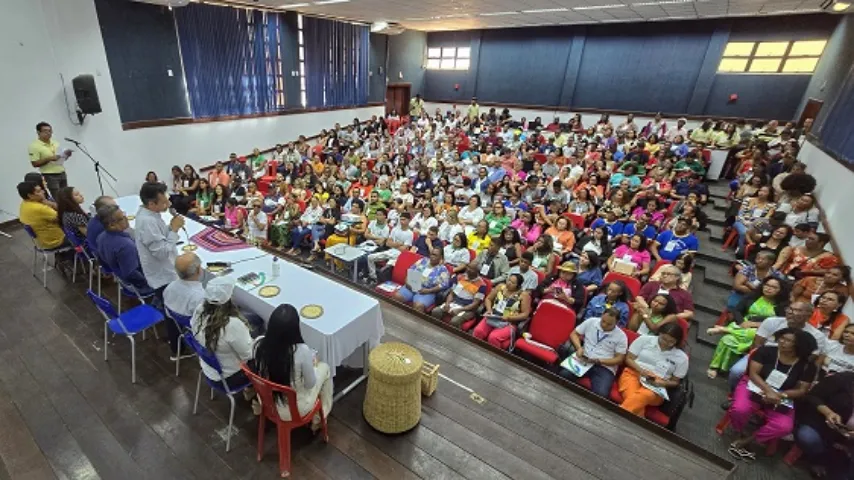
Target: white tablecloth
[350,319]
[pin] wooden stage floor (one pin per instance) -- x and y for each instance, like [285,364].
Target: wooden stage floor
[65,413]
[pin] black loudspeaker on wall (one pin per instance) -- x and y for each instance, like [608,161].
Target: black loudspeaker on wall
[87,95]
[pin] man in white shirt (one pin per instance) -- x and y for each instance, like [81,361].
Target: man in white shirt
[184,295]
[378,229]
[530,278]
[399,240]
[679,129]
[604,348]
[797,316]
[256,220]
[156,242]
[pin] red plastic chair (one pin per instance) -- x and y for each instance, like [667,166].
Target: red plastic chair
[398,273]
[577,220]
[632,283]
[730,239]
[551,326]
[265,389]
[472,255]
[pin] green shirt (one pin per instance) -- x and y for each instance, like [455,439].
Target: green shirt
[497,224]
[385,195]
[371,209]
[695,167]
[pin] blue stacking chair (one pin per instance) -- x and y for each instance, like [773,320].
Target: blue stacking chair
[81,251]
[183,324]
[211,361]
[133,321]
[126,289]
[44,252]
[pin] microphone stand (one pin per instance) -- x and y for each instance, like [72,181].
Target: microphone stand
[98,168]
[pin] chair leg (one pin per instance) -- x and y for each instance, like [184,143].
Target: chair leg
[35,260]
[44,270]
[720,428]
[178,361]
[262,425]
[198,387]
[230,423]
[132,359]
[105,340]
[91,272]
[119,302]
[323,426]
[212,393]
[284,451]
[74,273]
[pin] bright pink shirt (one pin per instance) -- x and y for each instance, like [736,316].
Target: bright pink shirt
[636,257]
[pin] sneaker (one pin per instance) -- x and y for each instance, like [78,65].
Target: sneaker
[175,358]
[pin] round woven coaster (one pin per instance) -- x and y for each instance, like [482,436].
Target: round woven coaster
[311,311]
[189,248]
[131,217]
[216,268]
[269,291]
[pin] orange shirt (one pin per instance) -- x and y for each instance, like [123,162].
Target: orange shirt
[818,320]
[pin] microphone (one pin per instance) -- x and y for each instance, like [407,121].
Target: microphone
[174,213]
[72,141]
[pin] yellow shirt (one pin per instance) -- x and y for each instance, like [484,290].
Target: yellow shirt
[42,219]
[39,150]
[722,140]
[415,107]
[699,135]
[478,244]
[474,111]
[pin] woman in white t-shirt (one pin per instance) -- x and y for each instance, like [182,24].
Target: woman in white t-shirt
[217,326]
[471,214]
[839,356]
[283,357]
[423,220]
[656,362]
[404,194]
[457,252]
[450,227]
[603,351]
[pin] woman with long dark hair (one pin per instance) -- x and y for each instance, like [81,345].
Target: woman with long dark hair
[71,216]
[283,357]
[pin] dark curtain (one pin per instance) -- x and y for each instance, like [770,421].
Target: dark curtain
[231,57]
[336,63]
[836,131]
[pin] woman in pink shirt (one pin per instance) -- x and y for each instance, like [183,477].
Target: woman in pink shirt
[635,252]
[528,230]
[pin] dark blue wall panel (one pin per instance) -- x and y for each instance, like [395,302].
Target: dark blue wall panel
[663,64]
[141,48]
[453,85]
[523,65]
[376,87]
[759,96]
[406,53]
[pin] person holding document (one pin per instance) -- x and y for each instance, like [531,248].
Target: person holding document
[654,364]
[776,376]
[46,155]
[506,306]
[603,351]
[424,279]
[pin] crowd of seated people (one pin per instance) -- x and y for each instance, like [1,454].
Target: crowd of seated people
[502,221]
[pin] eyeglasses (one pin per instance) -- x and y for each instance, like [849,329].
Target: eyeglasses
[797,311]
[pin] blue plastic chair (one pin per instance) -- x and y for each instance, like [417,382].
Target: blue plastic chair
[183,324]
[126,289]
[135,320]
[211,361]
[82,251]
[44,252]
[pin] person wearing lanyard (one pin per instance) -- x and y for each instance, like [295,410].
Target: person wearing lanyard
[827,419]
[776,377]
[603,351]
[654,363]
[46,155]
[491,263]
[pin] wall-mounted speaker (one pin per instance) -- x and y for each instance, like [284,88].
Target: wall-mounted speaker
[86,94]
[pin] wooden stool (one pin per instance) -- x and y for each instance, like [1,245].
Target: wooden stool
[393,397]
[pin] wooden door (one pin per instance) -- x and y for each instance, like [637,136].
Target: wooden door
[397,98]
[811,110]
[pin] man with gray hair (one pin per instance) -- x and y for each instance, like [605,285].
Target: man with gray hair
[184,295]
[117,250]
[95,228]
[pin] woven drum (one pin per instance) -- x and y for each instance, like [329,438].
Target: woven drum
[393,398]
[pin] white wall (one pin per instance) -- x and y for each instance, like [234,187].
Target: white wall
[587,119]
[836,196]
[63,37]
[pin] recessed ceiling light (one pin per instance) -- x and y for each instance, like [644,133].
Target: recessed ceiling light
[546,10]
[330,2]
[498,14]
[841,6]
[295,5]
[601,7]
[662,2]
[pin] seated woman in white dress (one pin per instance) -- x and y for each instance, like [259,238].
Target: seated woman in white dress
[282,357]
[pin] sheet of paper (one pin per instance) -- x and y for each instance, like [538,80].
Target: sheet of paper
[660,391]
[413,280]
[575,365]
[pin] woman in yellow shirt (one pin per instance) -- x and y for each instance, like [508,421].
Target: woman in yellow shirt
[728,137]
[479,239]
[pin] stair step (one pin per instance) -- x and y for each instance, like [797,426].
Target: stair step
[716,217]
[716,274]
[702,321]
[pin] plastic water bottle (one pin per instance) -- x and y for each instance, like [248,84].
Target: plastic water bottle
[276,267]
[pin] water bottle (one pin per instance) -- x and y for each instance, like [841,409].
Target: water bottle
[276,267]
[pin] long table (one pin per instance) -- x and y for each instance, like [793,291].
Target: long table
[351,323]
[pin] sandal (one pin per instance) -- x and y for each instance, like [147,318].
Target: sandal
[741,453]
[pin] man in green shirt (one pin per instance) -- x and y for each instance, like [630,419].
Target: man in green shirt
[474,109]
[46,156]
[689,164]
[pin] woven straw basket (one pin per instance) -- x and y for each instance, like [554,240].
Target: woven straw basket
[393,397]
[429,378]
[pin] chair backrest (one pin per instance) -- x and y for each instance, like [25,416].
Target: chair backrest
[577,220]
[265,389]
[104,306]
[540,276]
[401,265]
[540,158]
[203,353]
[552,324]
[181,320]
[30,231]
[472,255]
[79,246]
[685,328]
[632,284]
[631,335]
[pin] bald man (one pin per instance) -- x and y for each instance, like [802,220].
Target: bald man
[183,296]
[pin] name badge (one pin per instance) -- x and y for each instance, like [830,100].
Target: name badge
[776,379]
[671,245]
[484,269]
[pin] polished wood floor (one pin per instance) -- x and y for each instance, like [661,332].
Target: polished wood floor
[65,413]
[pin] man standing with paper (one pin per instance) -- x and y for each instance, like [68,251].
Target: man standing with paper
[46,155]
